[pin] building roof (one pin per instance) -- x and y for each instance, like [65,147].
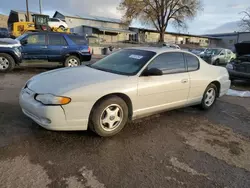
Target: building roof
[225,34]
[90,17]
[111,30]
[174,33]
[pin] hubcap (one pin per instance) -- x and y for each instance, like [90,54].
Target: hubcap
[4,63]
[210,97]
[111,117]
[73,63]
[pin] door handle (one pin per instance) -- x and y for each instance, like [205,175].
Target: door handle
[44,47]
[65,47]
[184,81]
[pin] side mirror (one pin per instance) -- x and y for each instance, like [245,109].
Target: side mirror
[24,42]
[153,72]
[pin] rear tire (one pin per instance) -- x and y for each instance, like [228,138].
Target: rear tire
[109,116]
[72,61]
[209,97]
[7,63]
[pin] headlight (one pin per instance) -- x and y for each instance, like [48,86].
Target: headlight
[230,66]
[49,99]
[18,52]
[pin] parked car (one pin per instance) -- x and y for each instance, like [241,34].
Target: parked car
[128,84]
[217,56]
[175,46]
[4,33]
[198,51]
[240,67]
[10,54]
[57,23]
[69,49]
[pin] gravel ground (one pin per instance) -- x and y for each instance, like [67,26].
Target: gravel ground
[180,148]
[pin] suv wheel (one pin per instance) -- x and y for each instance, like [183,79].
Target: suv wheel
[109,116]
[7,63]
[72,61]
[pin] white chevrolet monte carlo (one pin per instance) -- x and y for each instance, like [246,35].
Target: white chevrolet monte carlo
[126,85]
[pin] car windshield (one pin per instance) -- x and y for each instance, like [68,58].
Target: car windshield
[124,62]
[212,51]
[21,37]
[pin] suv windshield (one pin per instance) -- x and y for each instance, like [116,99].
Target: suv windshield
[124,62]
[212,51]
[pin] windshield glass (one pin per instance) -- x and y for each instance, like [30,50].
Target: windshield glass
[212,51]
[125,62]
[21,37]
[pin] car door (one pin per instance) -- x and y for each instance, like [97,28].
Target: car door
[56,46]
[34,46]
[197,79]
[222,56]
[167,91]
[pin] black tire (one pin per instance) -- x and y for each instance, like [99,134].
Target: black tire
[99,110]
[204,105]
[62,27]
[7,66]
[72,61]
[217,62]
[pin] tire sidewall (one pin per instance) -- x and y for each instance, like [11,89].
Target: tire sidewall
[11,63]
[66,64]
[203,104]
[97,112]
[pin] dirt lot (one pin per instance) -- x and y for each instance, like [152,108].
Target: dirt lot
[181,148]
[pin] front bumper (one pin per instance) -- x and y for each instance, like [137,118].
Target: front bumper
[238,75]
[49,117]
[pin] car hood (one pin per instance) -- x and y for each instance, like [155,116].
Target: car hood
[7,42]
[61,81]
[242,48]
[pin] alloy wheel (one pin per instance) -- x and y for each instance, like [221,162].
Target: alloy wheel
[210,97]
[4,63]
[111,117]
[73,63]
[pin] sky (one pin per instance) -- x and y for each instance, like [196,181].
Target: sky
[215,13]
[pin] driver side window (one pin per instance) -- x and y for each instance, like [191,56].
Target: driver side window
[36,39]
[169,63]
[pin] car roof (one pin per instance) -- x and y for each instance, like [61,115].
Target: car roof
[157,49]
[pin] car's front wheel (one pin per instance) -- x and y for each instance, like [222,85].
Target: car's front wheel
[109,116]
[7,63]
[209,97]
[72,61]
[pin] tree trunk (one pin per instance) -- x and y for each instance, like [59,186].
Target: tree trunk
[162,33]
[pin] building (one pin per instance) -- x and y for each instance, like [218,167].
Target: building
[19,16]
[151,36]
[104,29]
[229,39]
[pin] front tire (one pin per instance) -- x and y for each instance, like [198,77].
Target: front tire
[7,63]
[72,61]
[109,116]
[217,62]
[209,97]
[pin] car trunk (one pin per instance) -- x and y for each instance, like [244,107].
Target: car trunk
[242,62]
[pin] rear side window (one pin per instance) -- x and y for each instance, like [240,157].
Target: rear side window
[53,20]
[79,40]
[192,62]
[169,63]
[57,40]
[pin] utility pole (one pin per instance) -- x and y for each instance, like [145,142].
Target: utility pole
[40,6]
[27,9]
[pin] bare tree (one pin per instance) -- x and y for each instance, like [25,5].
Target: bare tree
[160,12]
[245,21]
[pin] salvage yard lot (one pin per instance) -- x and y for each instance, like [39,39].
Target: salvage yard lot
[180,148]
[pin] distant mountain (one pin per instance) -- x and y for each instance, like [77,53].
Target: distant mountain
[3,20]
[226,28]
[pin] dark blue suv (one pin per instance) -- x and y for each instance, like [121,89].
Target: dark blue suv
[70,49]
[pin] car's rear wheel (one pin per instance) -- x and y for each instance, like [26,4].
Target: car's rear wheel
[109,116]
[7,63]
[72,61]
[209,97]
